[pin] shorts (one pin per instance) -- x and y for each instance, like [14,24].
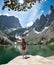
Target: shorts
[23,48]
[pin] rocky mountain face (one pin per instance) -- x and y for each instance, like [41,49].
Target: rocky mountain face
[4,39]
[43,22]
[50,19]
[8,22]
[46,36]
[39,24]
[40,29]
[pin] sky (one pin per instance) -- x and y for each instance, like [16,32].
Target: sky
[28,17]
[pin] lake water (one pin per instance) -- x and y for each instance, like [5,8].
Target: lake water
[8,53]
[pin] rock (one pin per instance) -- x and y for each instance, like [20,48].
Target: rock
[32,60]
[51,58]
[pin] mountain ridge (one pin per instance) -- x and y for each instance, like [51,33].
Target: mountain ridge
[8,22]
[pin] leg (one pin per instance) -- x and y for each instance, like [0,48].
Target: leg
[24,53]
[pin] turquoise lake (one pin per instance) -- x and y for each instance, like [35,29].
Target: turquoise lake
[9,52]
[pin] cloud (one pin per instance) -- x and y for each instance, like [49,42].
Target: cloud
[42,11]
[30,24]
[44,0]
[29,15]
[21,1]
[33,14]
[49,12]
[0,14]
[17,17]
[7,14]
[25,16]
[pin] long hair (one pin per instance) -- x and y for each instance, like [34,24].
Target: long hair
[23,41]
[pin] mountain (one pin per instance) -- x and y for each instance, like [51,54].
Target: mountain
[50,18]
[39,24]
[42,31]
[46,36]
[9,22]
[4,39]
[43,22]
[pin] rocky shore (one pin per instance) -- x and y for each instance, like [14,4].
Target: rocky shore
[32,60]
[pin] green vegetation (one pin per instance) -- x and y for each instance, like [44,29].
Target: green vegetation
[43,50]
[18,6]
[4,42]
[12,38]
[51,41]
[40,41]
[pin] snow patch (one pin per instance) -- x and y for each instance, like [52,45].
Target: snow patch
[17,37]
[41,31]
[27,35]
[26,31]
[11,29]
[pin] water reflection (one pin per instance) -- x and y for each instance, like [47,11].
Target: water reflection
[18,48]
[15,46]
[7,53]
